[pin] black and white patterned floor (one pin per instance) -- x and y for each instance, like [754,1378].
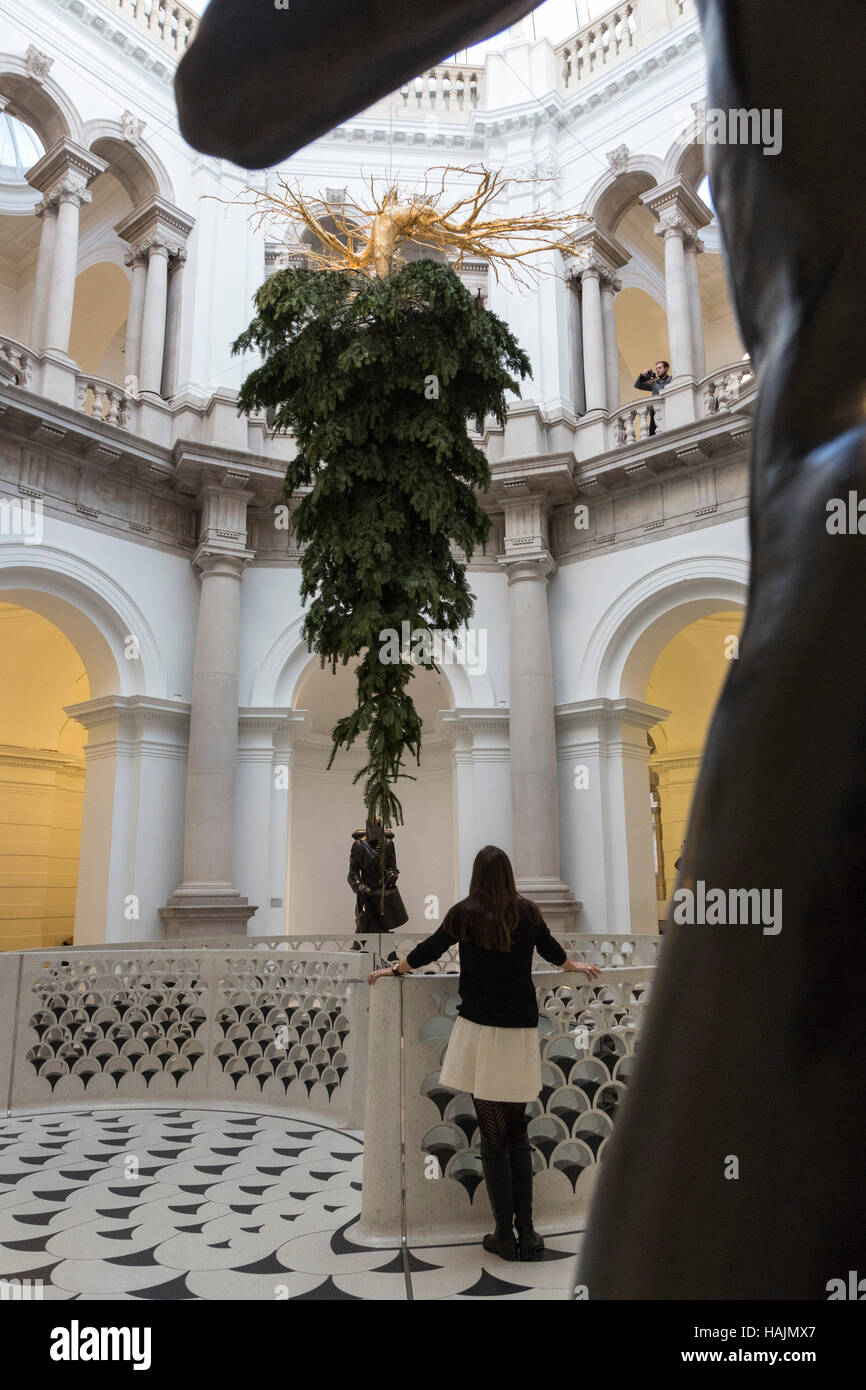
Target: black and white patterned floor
[218,1204]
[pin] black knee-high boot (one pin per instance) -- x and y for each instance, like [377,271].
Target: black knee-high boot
[496,1166]
[530,1243]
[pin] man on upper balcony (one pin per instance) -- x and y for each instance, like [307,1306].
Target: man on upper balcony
[655,379]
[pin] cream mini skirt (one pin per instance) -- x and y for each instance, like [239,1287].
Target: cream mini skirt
[492,1063]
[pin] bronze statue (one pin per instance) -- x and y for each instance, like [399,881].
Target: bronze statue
[373,878]
[754,1049]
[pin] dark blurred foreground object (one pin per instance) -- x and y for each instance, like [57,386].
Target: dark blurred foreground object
[755,1049]
[258,83]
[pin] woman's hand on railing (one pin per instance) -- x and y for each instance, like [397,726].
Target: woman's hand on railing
[389,970]
[591,971]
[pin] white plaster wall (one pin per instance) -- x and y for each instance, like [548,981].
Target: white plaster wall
[326,808]
[582,593]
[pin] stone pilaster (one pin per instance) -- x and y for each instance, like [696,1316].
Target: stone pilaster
[207,900]
[532,734]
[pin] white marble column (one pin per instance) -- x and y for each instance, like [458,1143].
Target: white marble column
[576,347]
[153,319]
[172,322]
[680,214]
[158,231]
[61,292]
[207,899]
[674,230]
[136,260]
[47,211]
[693,247]
[594,366]
[61,176]
[532,738]
[610,287]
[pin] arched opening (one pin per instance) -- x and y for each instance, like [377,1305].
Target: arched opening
[41,780]
[686,679]
[102,287]
[98,336]
[326,807]
[642,337]
[721,334]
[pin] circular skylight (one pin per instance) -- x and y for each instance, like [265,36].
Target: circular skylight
[20,148]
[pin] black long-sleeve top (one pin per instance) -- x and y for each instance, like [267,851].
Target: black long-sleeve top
[495,986]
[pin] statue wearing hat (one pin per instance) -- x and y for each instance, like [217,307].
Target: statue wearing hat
[375,910]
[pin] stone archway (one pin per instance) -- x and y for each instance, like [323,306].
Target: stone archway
[284,747]
[131,815]
[607,829]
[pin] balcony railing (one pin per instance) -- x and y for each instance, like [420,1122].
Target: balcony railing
[614,35]
[172,26]
[16,363]
[103,400]
[448,92]
[726,389]
[451,91]
[296,1030]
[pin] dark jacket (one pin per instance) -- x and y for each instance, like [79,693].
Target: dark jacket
[495,986]
[657,385]
[364,878]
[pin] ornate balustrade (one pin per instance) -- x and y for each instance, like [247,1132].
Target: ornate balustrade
[726,390]
[448,92]
[146,1024]
[103,400]
[172,26]
[590,948]
[285,1028]
[587,1037]
[16,363]
[636,421]
[615,35]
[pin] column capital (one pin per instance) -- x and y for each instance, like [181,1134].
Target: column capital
[69,191]
[538,567]
[46,208]
[137,256]
[156,224]
[673,223]
[65,169]
[679,209]
[155,246]
[223,563]
[600,255]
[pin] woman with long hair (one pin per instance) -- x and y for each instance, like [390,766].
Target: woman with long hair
[493,1050]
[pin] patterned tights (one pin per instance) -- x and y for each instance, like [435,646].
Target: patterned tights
[500,1121]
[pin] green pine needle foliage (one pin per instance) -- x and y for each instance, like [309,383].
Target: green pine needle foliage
[376,380]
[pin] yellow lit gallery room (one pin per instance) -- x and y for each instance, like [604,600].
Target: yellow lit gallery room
[431,447]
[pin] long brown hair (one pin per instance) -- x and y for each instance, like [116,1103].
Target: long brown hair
[493,903]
